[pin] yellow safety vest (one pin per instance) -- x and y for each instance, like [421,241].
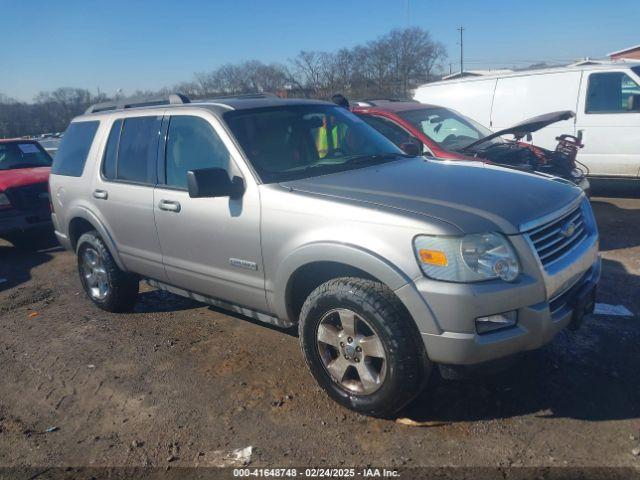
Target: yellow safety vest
[326,143]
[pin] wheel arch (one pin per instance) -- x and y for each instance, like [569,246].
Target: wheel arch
[311,265]
[83,221]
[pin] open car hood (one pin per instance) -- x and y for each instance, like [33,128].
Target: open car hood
[533,124]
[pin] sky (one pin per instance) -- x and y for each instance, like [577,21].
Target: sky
[142,44]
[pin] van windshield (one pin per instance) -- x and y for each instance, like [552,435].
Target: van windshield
[23,155]
[447,128]
[300,141]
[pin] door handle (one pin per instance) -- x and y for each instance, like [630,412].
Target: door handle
[101,194]
[169,206]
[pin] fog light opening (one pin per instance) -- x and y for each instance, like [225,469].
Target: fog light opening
[499,321]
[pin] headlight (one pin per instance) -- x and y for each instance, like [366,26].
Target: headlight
[472,258]
[4,201]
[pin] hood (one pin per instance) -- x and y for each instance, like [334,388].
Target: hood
[19,177]
[531,125]
[472,196]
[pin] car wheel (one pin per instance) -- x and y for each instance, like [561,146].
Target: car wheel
[105,284]
[362,346]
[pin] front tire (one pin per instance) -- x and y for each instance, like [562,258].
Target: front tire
[105,284]
[362,346]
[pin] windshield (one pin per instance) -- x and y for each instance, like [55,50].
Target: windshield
[23,155]
[447,128]
[300,141]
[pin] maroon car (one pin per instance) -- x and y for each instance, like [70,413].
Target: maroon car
[446,134]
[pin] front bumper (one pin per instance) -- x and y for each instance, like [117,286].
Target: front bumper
[445,312]
[19,221]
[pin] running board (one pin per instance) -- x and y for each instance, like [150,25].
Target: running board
[247,312]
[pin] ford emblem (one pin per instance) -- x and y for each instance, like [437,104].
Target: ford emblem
[568,229]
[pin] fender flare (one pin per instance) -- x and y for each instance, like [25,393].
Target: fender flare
[353,256]
[92,218]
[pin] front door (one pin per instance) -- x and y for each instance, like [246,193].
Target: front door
[209,246]
[610,130]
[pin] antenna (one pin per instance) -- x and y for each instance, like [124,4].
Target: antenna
[461,29]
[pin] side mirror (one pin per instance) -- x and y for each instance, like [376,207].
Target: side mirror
[213,182]
[411,148]
[633,103]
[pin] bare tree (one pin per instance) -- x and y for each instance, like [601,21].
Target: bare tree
[391,65]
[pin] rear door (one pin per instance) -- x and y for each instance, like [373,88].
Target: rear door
[611,132]
[123,192]
[210,246]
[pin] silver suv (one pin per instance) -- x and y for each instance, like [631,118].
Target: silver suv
[296,212]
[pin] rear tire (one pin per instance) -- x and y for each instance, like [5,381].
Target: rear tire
[362,346]
[107,286]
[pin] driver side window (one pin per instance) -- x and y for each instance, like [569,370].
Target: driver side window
[192,144]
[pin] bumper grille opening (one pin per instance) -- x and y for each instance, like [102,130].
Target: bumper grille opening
[29,197]
[555,239]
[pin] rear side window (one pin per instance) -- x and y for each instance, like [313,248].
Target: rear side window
[610,92]
[131,150]
[74,148]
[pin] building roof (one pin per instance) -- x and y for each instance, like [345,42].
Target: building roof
[635,47]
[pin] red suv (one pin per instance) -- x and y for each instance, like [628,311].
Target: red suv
[24,196]
[446,134]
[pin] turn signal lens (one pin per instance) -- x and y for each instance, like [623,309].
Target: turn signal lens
[433,257]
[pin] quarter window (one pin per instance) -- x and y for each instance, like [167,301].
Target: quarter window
[192,144]
[609,92]
[111,152]
[74,148]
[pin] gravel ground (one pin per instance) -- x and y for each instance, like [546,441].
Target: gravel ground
[178,384]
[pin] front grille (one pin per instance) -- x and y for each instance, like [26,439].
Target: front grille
[29,197]
[557,238]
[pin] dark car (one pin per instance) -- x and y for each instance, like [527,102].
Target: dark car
[446,134]
[24,195]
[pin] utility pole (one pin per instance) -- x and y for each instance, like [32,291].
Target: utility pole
[408,13]
[461,29]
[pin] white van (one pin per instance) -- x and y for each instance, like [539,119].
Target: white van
[605,97]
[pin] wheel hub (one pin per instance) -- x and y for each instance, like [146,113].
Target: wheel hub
[95,274]
[351,351]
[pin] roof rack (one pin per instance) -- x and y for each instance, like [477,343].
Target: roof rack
[172,99]
[244,95]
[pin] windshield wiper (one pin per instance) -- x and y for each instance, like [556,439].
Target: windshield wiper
[376,157]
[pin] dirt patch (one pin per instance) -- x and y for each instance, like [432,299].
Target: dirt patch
[179,384]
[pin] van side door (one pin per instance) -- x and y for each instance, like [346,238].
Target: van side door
[122,192]
[521,97]
[210,246]
[610,130]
